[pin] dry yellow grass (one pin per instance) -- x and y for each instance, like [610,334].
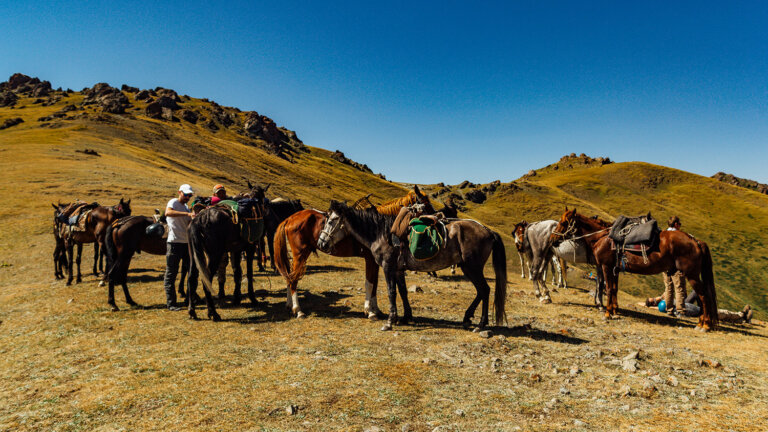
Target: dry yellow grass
[68,363]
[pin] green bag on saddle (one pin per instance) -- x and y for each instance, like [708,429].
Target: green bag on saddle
[424,239]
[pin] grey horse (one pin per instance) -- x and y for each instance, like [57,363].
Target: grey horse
[532,240]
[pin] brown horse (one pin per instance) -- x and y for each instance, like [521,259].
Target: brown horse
[59,250]
[302,231]
[676,250]
[97,219]
[124,238]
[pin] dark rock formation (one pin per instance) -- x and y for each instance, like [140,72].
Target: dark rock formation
[8,98]
[143,96]
[110,99]
[168,114]
[476,196]
[167,102]
[339,156]
[189,115]
[160,91]
[11,122]
[154,110]
[741,182]
[129,89]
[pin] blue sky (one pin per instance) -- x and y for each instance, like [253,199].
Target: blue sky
[438,91]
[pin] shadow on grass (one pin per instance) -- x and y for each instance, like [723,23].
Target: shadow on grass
[653,318]
[525,330]
[327,269]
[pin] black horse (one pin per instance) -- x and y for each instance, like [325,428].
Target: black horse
[124,238]
[217,230]
[279,210]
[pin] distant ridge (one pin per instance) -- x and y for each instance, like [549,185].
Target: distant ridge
[741,182]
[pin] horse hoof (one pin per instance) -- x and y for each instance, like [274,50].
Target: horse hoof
[386,327]
[372,316]
[135,305]
[193,316]
[115,308]
[300,315]
[545,300]
[101,283]
[214,317]
[466,324]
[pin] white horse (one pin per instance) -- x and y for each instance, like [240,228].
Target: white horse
[532,241]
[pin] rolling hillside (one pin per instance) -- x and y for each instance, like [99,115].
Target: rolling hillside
[731,219]
[146,150]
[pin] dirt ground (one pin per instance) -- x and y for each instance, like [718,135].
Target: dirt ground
[68,363]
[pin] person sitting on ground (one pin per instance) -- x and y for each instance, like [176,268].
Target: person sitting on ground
[692,309]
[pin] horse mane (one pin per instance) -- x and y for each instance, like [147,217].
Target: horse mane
[368,224]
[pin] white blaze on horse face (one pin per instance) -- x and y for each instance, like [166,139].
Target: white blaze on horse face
[331,233]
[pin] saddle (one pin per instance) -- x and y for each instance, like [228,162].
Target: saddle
[426,236]
[637,235]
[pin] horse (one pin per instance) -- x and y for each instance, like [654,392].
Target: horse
[280,210]
[532,242]
[467,243]
[97,219]
[60,249]
[302,230]
[123,238]
[217,230]
[675,250]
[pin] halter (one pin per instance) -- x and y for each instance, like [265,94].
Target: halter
[570,230]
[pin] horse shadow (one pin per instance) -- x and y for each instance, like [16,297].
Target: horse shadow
[423,323]
[323,305]
[311,269]
[653,318]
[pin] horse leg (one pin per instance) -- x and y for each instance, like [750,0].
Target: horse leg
[96,258]
[237,271]
[407,312]
[249,249]
[221,276]
[704,319]
[182,277]
[70,261]
[371,307]
[260,256]
[111,296]
[390,274]
[79,258]
[612,283]
[522,265]
[474,272]
[212,314]
[271,246]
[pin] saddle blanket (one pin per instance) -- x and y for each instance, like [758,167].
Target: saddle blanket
[424,238]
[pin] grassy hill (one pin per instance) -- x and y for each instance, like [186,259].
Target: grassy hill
[732,220]
[67,362]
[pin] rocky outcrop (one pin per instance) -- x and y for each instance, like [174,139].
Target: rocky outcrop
[167,102]
[264,128]
[164,92]
[189,115]
[339,156]
[741,182]
[110,99]
[143,95]
[8,98]
[129,89]
[476,196]
[10,122]
[154,110]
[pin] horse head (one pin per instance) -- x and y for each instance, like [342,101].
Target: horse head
[566,227]
[333,228]
[422,198]
[123,208]
[518,233]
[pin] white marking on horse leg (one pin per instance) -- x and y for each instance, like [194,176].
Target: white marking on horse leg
[296,308]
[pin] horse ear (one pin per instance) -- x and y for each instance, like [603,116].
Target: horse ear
[54,206]
[250,186]
[267,187]
[416,189]
[566,209]
[649,216]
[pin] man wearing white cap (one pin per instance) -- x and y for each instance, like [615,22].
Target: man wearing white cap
[178,217]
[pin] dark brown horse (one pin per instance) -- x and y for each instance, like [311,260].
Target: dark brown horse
[468,244]
[60,249]
[124,238]
[676,250]
[94,222]
[218,230]
[302,231]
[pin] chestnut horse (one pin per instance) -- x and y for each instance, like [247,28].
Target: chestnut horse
[302,231]
[96,223]
[676,250]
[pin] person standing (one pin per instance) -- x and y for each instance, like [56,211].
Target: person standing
[674,281]
[178,217]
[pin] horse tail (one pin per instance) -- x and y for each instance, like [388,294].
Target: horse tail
[110,250]
[708,281]
[500,270]
[197,253]
[280,251]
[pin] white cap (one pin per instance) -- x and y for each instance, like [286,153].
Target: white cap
[186,189]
